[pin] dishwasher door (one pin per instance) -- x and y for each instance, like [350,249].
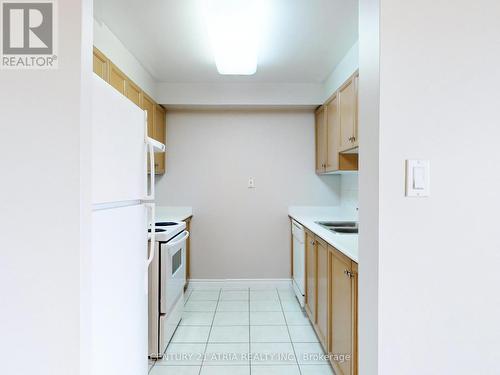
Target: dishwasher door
[298,236]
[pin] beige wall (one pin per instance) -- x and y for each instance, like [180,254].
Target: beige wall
[240,232]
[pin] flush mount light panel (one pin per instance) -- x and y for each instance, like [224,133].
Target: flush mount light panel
[234,28]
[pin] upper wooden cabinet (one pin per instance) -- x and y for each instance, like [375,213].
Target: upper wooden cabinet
[150,107]
[116,78]
[328,123]
[101,64]
[159,133]
[348,110]
[108,71]
[333,135]
[133,92]
[321,136]
[156,128]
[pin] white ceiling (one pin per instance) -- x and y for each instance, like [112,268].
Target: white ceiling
[303,41]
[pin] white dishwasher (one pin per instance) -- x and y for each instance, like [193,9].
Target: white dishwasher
[299,263]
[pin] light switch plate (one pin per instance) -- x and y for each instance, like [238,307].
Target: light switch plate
[417,178]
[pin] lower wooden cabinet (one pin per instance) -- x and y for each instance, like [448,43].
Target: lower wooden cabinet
[342,332]
[188,252]
[322,323]
[310,300]
[331,302]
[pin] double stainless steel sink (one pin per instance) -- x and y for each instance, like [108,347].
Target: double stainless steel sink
[341,227]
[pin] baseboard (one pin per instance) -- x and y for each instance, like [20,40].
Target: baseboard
[240,283]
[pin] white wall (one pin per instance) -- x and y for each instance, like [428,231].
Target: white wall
[369,186]
[240,232]
[259,94]
[240,94]
[43,126]
[113,48]
[228,94]
[344,69]
[438,258]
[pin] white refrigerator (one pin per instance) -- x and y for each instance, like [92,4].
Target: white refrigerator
[122,212]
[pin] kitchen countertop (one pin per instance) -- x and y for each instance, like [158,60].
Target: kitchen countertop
[173,213]
[307,216]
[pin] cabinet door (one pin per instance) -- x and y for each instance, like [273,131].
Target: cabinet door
[149,106]
[322,293]
[188,253]
[333,135]
[355,318]
[100,64]
[116,78]
[133,92]
[347,109]
[320,126]
[310,277]
[341,334]
[159,133]
[356,110]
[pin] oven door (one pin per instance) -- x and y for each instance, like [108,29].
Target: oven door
[172,271]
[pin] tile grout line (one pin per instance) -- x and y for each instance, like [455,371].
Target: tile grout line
[218,302]
[210,332]
[288,330]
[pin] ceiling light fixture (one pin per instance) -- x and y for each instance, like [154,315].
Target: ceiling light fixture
[234,28]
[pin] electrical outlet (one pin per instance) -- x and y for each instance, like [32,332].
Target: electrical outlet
[251,183]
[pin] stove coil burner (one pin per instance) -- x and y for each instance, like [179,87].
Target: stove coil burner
[166,224]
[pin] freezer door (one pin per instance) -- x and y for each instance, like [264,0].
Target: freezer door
[119,149]
[119,334]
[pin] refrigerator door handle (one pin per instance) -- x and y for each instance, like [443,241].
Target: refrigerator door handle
[151,207]
[150,151]
[152,243]
[152,146]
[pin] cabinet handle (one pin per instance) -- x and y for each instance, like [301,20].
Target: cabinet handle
[349,274]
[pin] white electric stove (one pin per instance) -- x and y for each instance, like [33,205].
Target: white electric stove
[167,276]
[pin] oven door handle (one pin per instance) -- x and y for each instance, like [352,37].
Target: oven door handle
[185,236]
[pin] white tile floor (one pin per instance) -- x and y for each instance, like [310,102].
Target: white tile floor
[242,331]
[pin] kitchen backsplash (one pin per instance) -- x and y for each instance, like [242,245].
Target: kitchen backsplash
[349,193]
